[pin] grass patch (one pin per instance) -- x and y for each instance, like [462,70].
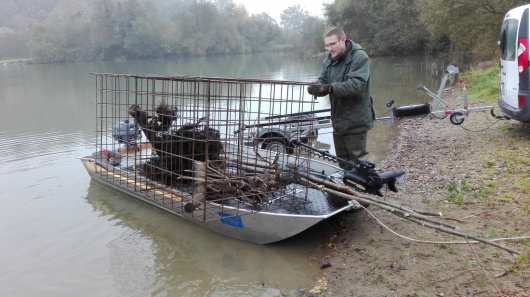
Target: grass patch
[385,279]
[467,187]
[524,258]
[482,84]
[523,185]
[484,191]
[495,253]
[494,233]
[482,283]
[456,191]
[454,194]
[520,266]
[525,242]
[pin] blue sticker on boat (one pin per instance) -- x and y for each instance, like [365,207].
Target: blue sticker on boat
[228,219]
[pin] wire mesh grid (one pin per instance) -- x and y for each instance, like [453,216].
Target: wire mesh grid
[192,144]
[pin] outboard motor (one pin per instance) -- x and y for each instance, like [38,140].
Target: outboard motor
[127,132]
[362,177]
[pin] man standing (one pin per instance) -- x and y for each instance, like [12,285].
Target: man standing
[345,76]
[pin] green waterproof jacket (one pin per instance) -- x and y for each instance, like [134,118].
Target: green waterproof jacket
[349,76]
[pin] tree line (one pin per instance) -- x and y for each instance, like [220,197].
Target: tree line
[80,30]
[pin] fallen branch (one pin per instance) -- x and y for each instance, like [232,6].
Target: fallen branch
[467,236]
[366,200]
[414,217]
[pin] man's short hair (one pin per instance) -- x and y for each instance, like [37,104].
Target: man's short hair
[335,31]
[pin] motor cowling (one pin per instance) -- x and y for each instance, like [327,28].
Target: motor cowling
[126,131]
[365,179]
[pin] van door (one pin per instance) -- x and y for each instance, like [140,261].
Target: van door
[509,74]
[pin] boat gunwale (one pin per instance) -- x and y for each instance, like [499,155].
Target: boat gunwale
[136,193]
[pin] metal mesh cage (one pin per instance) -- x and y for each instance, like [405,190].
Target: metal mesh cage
[196,145]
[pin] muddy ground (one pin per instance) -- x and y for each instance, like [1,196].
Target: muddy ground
[478,175]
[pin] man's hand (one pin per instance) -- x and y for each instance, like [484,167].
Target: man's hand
[319,89]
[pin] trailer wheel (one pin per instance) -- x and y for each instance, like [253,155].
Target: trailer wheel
[457,118]
[276,145]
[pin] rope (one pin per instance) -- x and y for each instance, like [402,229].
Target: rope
[436,242]
[475,131]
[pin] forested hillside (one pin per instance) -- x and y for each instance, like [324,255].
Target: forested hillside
[81,30]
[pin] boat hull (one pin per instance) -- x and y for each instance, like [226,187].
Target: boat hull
[259,227]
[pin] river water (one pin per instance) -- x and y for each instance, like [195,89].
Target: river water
[63,235]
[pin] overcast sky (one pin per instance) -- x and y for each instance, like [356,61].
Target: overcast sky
[275,7]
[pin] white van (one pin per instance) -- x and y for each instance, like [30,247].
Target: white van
[514,99]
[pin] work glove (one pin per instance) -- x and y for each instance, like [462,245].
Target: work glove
[319,89]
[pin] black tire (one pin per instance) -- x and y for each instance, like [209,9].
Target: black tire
[457,118]
[277,145]
[411,110]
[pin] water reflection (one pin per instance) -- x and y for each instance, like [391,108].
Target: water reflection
[159,253]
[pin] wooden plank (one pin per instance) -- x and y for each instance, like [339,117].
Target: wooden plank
[152,189]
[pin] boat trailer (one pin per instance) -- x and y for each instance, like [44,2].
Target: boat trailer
[440,108]
[277,132]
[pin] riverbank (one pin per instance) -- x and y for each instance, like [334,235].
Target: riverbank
[477,175]
[15,61]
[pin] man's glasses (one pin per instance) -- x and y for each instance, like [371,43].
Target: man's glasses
[331,44]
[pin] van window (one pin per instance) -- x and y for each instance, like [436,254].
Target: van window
[509,39]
